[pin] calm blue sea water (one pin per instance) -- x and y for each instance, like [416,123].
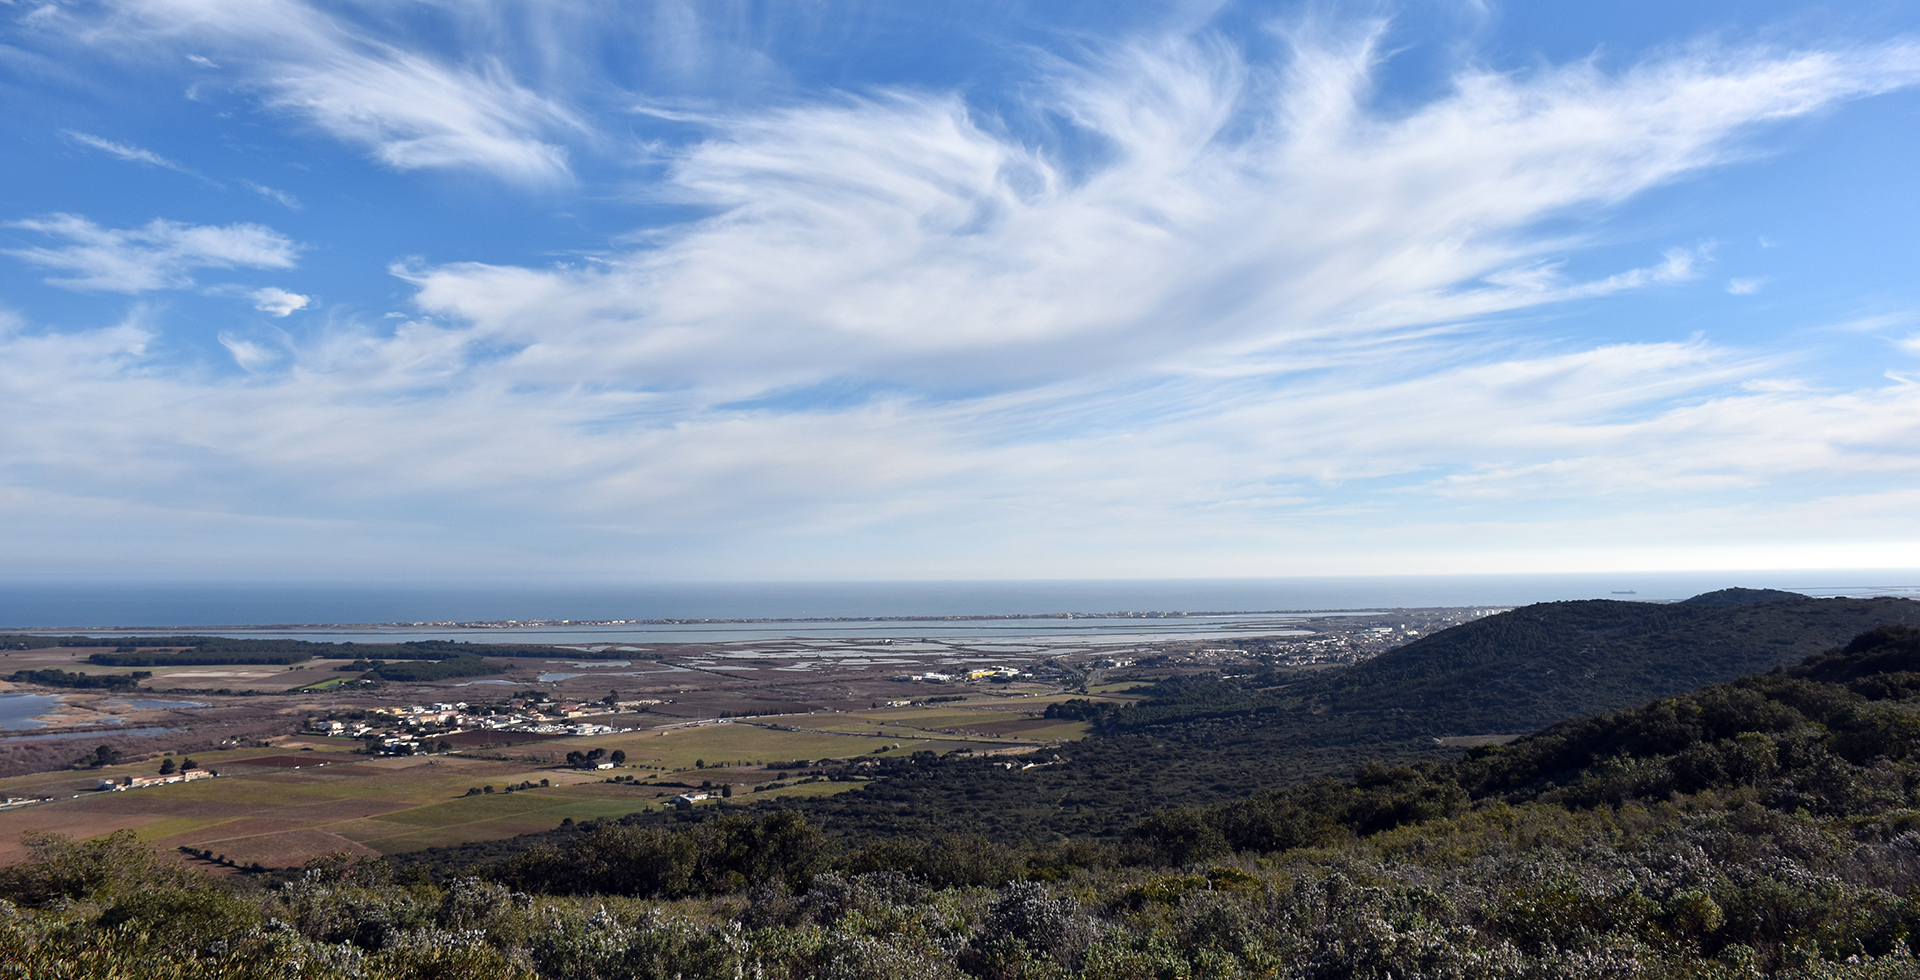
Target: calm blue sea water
[115,604]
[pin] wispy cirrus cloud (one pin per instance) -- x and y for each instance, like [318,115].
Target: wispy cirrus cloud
[1268,213]
[127,152]
[410,109]
[158,255]
[279,197]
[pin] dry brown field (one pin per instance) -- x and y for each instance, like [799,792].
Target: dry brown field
[270,806]
[293,799]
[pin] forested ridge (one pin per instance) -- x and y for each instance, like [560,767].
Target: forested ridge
[1535,665]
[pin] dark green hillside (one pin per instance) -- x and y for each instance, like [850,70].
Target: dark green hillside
[1741,597]
[1837,736]
[1531,667]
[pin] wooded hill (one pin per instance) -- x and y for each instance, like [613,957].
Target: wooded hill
[1203,741]
[1519,670]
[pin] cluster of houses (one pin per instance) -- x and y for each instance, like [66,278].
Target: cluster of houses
[976,674]
[522,715]
[141,782]
[929,678]
[410,730]
[345,729]
[989,673]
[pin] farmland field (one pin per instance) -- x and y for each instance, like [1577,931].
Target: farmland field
[302,797]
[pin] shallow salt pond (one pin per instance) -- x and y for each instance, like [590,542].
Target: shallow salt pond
[21,711]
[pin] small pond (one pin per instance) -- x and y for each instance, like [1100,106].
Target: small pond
[18,711]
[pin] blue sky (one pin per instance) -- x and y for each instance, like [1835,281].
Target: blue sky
[619,291]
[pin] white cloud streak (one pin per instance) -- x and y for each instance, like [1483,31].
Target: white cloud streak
[157,255]
[279,197]
[129,153]
[409,109]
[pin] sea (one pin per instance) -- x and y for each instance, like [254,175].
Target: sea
[711,609]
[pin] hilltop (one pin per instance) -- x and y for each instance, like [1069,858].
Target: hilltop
[1536,665]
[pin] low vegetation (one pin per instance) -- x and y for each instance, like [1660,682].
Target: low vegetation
[55,677]
[418,671]
[1765,827]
